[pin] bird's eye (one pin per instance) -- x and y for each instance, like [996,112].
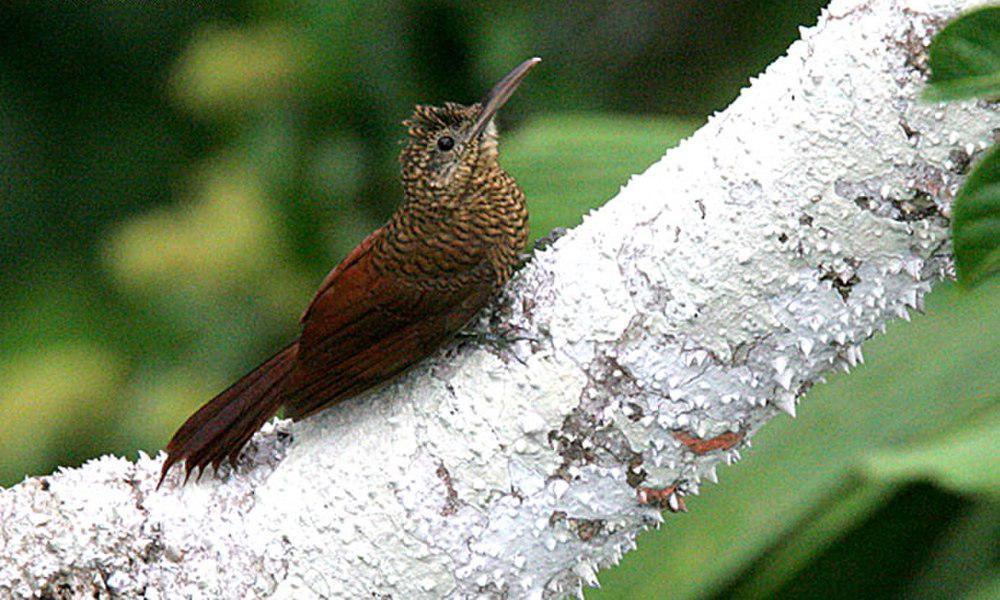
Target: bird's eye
[445,143]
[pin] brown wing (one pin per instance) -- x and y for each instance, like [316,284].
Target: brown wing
[360,251]
[363,328]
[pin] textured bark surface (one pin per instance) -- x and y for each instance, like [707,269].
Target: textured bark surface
[703,300]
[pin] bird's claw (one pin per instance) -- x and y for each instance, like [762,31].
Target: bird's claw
[499,338]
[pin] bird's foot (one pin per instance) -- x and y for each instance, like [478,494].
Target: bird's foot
[500,338]
[668,498]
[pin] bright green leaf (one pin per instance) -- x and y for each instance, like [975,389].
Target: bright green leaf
[976,221]
[965,57]
[962,459]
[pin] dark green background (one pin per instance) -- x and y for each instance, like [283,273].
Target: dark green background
[176,178]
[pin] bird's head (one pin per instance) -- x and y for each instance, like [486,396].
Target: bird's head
[449,144]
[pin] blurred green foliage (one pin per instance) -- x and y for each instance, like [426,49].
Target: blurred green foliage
[175,178]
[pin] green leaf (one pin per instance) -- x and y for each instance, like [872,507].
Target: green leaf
[965,57]
[961,459]
[962,563]
[844,510]
[958,459]
[976,221]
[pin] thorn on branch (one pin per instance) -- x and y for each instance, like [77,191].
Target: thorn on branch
[668,498]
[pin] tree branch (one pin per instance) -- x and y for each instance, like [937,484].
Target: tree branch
[703,300]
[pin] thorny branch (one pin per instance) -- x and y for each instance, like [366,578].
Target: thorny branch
[703,300]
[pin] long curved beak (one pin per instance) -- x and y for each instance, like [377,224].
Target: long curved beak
[501,93]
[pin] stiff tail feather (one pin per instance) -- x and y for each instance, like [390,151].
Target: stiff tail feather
[221,428]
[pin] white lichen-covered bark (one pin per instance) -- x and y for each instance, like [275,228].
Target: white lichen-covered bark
[703,300]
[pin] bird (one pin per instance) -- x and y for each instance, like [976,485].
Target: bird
[412,284]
